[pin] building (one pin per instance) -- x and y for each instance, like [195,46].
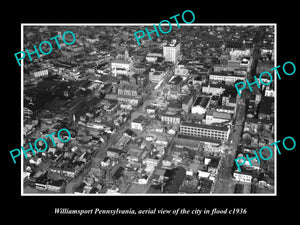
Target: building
[170,118]
[234,64]
[133,79]
[214,101]
[118,173]
[221,67]
[269,92]
[56,185]
[39,73]
[193,142]
[200,105]
[129,99]
[198,80]
[239,189]
[266,108]
[96,125]
[246,62]
[151,109]
[204,130]
[228,100]
[138,123]
[244,176]
[41,180]
[139,79]
[238,53]
[142,80]
[181,70]
[217,117]
[121,66]
[139,68]
[226,109]
[113,152]
[41,185]
[72,172]
[214,89]
[187,103]
[175,106]
[171,52]
[105,162]
[227,78]
[128,89]
[156,76]
[251,125]
[175,84]
[255,164]
[154,57]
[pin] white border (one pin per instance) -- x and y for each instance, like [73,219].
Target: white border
[146,24]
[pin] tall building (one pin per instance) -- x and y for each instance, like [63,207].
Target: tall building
[171,52]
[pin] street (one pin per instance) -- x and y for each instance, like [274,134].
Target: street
[224,181]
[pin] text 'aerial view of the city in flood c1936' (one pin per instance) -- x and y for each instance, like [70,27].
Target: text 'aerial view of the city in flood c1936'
[158,117]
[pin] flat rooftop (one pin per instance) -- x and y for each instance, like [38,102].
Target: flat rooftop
[203,139]
[204,126]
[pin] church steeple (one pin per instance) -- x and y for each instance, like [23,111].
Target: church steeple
[126,54]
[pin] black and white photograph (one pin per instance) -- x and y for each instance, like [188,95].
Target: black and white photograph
[144,112]
[160,117]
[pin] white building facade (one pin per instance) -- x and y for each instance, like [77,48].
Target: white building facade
[40,73]
[119,66]
[171,52]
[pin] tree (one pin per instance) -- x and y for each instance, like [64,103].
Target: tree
[246,139]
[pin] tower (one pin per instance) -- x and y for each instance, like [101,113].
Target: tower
[171,52]
[126,54]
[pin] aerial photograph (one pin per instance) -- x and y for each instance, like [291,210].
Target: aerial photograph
[147,116]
